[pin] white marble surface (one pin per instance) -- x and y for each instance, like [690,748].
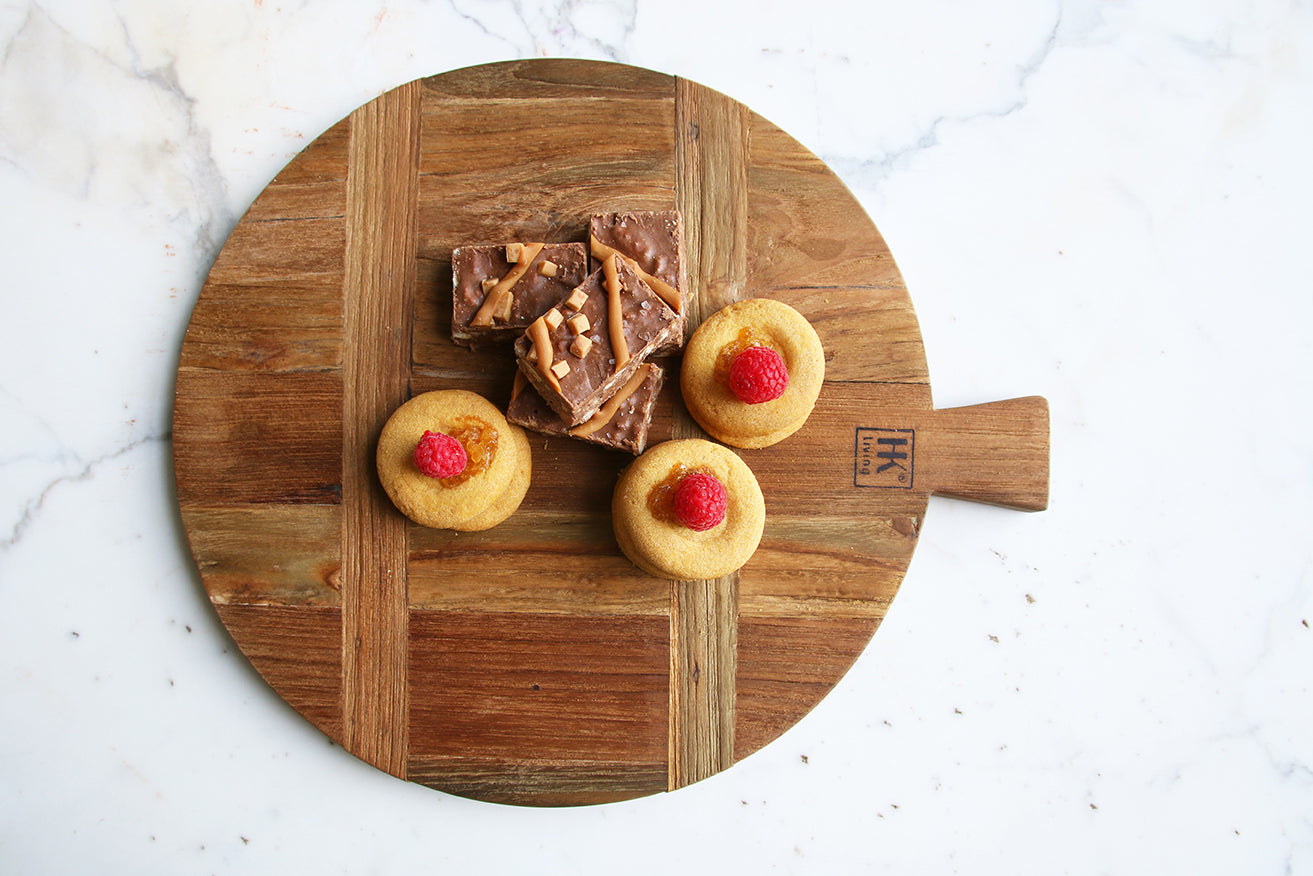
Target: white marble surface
[1106,203]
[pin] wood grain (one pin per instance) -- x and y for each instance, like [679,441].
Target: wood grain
[380,252]
[711,194]
[230,451]
[298,651]
[532,663]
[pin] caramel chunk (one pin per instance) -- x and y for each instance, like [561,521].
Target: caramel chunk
[577,298]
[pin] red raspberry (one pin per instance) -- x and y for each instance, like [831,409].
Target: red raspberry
[700,501]
[758,375]
[439,455]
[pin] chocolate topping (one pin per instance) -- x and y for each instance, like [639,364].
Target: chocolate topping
[528,294]
[653,244]
[642,322]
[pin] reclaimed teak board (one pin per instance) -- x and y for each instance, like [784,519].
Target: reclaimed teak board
[532,663]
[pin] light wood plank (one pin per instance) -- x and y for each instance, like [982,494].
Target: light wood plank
[243,558]
[380,252]
[711,193]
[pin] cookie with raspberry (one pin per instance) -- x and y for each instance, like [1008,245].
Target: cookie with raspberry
[752,372]
[448,459]
[688,510]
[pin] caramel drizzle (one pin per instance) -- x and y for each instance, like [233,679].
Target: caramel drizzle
[519,384]
[542,346]
[664,290]
[615,318]
[498,301]
[607,411]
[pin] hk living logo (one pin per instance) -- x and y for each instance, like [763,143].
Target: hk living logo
[883,458]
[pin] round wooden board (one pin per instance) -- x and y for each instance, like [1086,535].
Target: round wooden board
[533,663]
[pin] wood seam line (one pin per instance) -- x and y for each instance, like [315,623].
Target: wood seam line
[711,160]
[378,301]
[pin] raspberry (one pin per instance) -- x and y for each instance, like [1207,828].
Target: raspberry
[439,455]
[700,501]
[758,375]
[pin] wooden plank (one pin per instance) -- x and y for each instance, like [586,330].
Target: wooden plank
[809,566]
[785,667]
[516,567]
[257,438]
[703,664]
[272,252]
[298,651]
[712,185]
[496,697]
[248,327]
[812,246]
[482,181]
[380,245]
[243,558]
[560,79]
[539,783]
[711,194]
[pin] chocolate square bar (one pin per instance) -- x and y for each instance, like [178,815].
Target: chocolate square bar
[497,290]
[621,423]
[580,352]
[653,242]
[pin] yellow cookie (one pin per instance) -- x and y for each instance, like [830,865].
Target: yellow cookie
[492,451]
[704,380]
[657,542]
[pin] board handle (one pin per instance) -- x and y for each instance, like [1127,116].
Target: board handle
[996,452]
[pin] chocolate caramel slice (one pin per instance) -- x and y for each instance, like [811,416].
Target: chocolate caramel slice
[621,423]
[499,289]
[581,352]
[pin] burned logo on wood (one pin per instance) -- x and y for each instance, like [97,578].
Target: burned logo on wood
[883,457]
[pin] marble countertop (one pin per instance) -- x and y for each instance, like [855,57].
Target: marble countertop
[1103,203]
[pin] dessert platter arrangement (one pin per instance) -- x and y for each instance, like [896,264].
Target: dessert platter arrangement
[558,432]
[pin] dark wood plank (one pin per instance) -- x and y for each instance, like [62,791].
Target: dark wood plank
[558,693]
[786,665]
[257,437]
[298,651]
